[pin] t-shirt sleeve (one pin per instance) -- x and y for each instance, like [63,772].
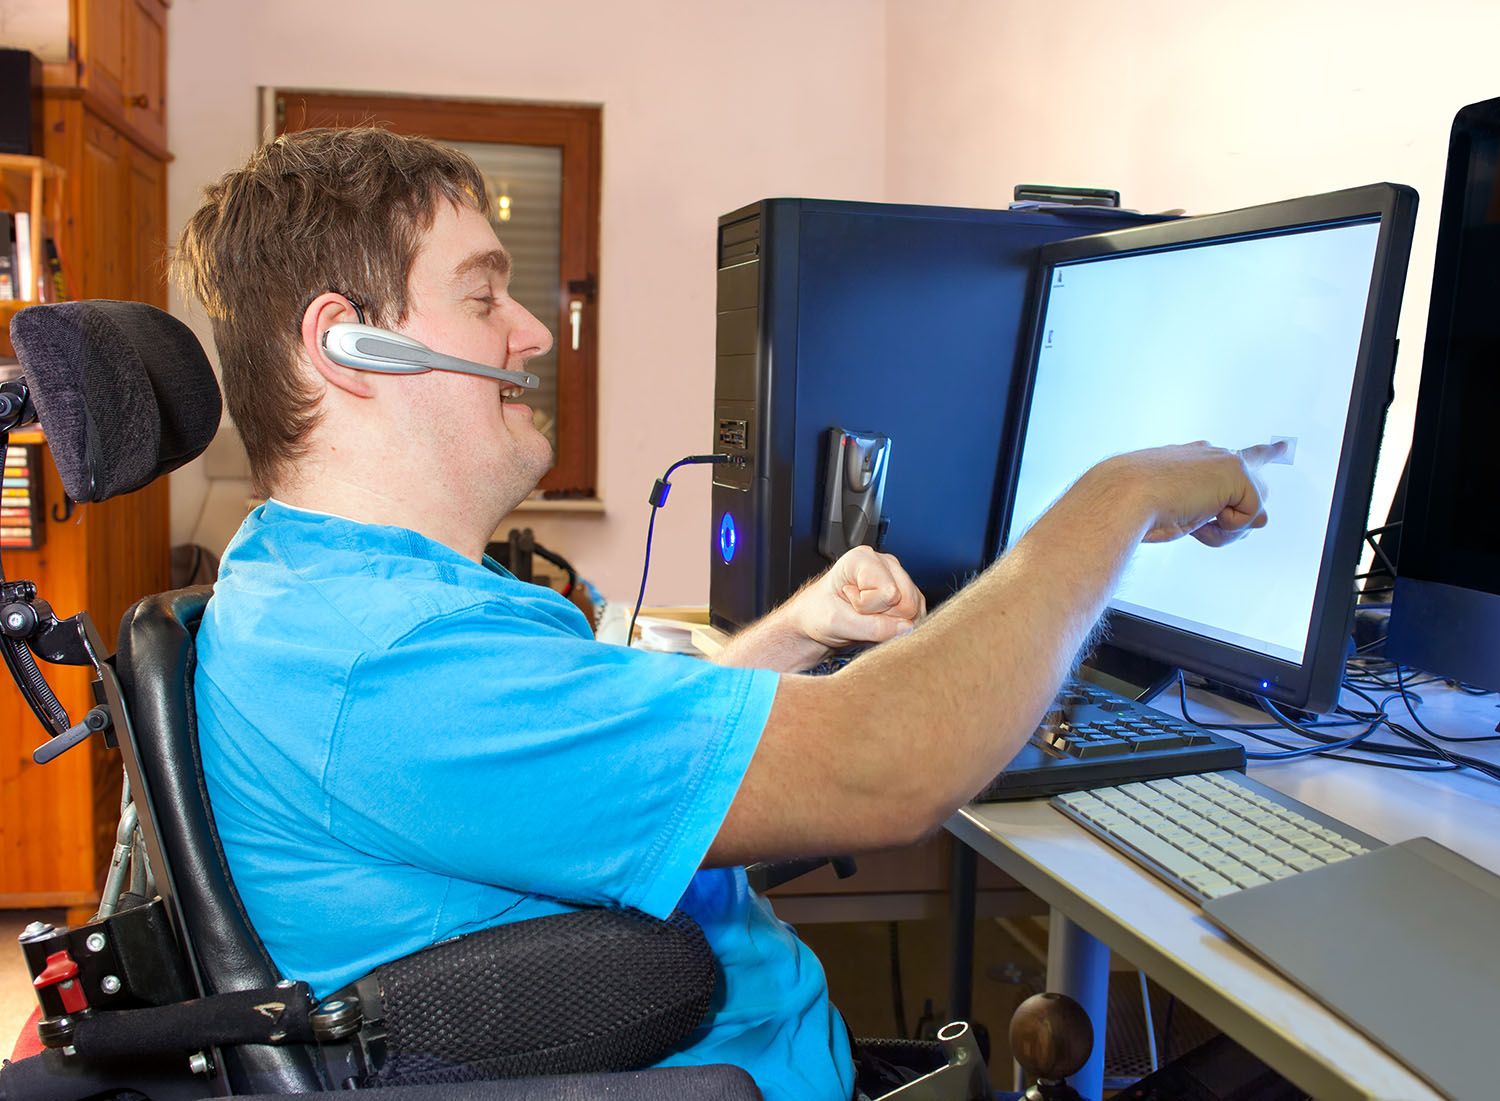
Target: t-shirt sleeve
[506,752]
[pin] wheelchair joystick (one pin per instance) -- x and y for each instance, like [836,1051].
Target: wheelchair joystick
[1051,1037]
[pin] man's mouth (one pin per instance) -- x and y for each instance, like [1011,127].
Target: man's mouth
[511,393]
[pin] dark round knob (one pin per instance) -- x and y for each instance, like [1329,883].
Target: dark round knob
[1051,1036]
[18,620]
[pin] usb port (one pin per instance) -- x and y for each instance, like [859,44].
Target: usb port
[733,434]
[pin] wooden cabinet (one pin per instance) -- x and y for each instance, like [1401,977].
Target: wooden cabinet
[119,57]
[105,127]
[145,91]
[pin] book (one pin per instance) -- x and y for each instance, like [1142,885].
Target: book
[55,284]
[9,291]
[25,278]
[21,516]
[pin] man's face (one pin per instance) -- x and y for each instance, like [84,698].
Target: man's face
[460,303]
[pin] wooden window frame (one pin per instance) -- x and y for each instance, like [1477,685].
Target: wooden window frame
[577,130]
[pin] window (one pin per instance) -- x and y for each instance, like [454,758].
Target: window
[542,162]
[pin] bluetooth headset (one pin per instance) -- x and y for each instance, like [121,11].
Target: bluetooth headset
[366,348]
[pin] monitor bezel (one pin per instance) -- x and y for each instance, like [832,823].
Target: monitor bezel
[1445,615]
[1314,683]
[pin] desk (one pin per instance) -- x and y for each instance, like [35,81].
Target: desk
[1096,893]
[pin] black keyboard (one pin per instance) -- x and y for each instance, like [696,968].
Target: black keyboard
[1093,737]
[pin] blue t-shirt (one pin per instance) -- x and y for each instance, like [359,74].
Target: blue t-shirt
[402,745]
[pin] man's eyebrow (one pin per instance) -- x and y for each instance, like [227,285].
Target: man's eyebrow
[492,262]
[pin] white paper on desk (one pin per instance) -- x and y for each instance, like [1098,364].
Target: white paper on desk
[667,636]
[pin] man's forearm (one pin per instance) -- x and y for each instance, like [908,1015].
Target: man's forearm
[969,687]
[773,642]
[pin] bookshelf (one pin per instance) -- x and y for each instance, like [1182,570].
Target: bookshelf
[33,186]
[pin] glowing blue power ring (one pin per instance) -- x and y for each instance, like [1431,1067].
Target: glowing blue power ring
[729,538]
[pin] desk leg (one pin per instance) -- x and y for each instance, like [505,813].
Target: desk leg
[1078,966]
[961,893]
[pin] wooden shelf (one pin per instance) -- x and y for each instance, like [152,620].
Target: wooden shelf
[39,173]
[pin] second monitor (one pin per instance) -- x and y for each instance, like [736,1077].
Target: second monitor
[1277,321]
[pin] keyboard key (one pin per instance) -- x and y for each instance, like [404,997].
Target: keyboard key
[1248,878]
[1100,747]
[1212,886]
[1162,740]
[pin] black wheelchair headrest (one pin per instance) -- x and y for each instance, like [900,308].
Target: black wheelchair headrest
[123,391]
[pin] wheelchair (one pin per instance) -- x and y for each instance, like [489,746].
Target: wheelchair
[168,993]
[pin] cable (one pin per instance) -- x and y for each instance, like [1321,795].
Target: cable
[898,996]
[1385,560]
[560,562]
[657,499]
[1421,754]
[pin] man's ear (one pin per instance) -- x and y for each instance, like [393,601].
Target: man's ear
[323,312]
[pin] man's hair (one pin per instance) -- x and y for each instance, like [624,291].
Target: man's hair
[319,210]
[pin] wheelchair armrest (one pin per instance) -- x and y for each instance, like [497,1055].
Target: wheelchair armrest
[719,1081]
[773,873]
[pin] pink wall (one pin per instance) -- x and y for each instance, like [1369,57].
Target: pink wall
[707,106]
[1185,104]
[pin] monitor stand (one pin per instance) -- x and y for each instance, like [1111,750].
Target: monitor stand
[1131,675]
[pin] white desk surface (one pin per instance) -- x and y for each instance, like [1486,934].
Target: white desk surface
[1167,936]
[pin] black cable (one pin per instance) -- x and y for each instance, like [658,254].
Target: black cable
[898,995]
[560,562]
[657,499]
[1390,567]
[1421,755]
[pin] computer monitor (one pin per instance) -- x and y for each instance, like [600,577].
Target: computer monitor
[1238,328]
[1445,610]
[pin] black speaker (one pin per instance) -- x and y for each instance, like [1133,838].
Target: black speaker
[20,103]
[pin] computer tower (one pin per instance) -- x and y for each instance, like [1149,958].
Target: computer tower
[892,319]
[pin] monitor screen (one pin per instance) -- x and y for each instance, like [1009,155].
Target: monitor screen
[1276,322]
[1445,615]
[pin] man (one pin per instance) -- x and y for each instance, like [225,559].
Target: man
[403,743]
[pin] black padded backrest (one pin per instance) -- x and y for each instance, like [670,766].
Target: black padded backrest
[155,661]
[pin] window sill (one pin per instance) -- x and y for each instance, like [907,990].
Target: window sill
[585,505]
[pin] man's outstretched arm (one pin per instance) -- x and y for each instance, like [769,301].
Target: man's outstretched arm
[885,751]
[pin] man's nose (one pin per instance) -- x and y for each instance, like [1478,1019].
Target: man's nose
[529,337]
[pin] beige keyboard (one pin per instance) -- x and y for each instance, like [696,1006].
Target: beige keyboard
[1215,833]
